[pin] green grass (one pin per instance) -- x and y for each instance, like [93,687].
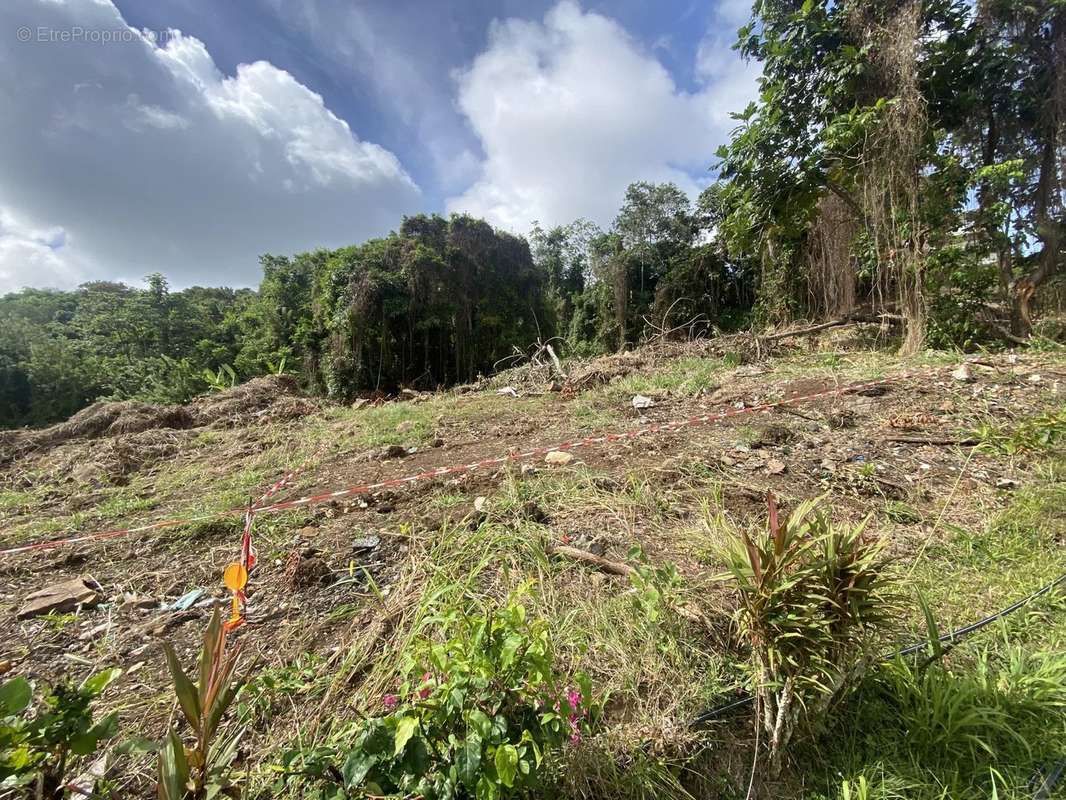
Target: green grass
[649,664]
[123,504]
[995,709]
[10,500]
[1026,436]
[681,376]
[588,413]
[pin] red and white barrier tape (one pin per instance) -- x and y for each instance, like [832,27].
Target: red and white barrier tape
[456,469]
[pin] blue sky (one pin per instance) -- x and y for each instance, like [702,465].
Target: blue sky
[272,126]
[433,38]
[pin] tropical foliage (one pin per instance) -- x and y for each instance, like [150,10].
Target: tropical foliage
[480,713]
[903,162]
[38,750]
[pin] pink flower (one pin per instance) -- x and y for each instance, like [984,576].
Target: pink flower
[427,689]
[573,700]
[390,701]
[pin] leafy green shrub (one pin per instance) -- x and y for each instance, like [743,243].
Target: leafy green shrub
[221,379]
[201,771]
[1040,432]
[960,287]
[479,714]
[655,586]
[811,594]
[40,750]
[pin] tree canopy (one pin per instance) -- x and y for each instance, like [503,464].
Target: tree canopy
[903,158]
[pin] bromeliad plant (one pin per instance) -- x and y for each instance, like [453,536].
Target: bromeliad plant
[479,714]
[811,594]
[39,751]
[201,771]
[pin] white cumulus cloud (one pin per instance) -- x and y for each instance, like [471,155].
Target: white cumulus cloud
[149,158]
[573,109]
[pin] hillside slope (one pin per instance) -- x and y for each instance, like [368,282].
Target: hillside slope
[343,584]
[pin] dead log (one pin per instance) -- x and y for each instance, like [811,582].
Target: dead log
[555,360]
[935,440]
[836,323]
[604,564]
[850,319]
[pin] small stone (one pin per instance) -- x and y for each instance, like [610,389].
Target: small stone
[640,401]
[65,596]
[558,458]
[310,572]
[134,602]
[365,543]
[480,504]
[962,374]
[775,466]
[1035,378]
[93,633]
[1007,483]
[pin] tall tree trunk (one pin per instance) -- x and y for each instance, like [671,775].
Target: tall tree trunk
[1049,228]
[985,199]
[1048,208]
[621,296]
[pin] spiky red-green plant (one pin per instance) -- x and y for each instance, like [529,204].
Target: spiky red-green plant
[194,772]
[810,595]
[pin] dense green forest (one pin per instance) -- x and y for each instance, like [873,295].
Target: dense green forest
[436,302]
[904,159]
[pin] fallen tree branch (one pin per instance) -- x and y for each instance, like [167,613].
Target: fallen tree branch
[937,440]
[1010,337]
[836,323]
[612,567]
[555,360]
[850,319]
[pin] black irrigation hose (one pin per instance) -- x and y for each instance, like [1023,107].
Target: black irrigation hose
[1048,778]
[713,713]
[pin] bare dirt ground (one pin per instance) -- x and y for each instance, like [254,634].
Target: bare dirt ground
[330,573]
